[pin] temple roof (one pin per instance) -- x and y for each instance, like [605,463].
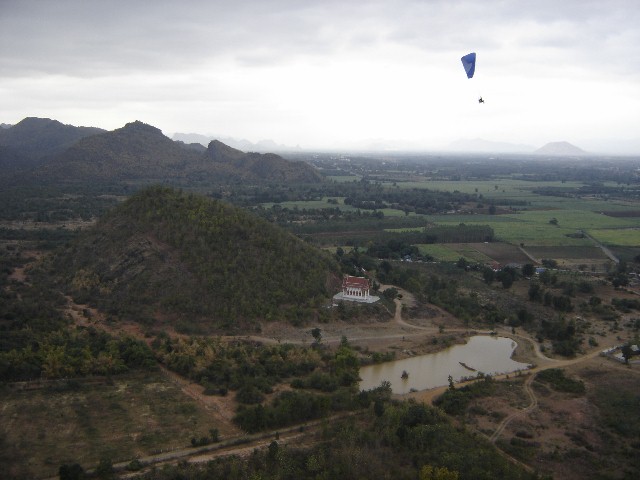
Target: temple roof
[354,282]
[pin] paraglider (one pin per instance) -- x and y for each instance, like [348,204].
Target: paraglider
[469,64]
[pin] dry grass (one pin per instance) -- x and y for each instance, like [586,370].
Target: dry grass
[135,415]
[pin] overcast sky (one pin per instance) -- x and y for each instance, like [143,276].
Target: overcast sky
[331,74]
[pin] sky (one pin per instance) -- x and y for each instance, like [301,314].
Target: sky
[331,74]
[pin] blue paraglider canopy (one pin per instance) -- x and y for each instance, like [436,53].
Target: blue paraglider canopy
[469,64]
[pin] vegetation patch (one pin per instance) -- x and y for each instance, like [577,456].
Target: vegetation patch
[134,415]
[556,379]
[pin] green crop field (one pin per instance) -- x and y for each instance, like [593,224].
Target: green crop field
[440,252]
[629,237]
[545,221]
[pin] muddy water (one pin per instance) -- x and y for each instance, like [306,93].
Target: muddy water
[489,355]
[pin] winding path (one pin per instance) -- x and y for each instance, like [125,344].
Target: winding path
[534,403]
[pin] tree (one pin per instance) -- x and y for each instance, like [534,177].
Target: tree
[273,450]
[546,278]
[390,293]
[316,333]
[71,472]
[507,281]
[378,407]
[104,469]
[528,270]
[462,263]
[620,280]
[626,353]
[429,472]
[489,275]
[507,276]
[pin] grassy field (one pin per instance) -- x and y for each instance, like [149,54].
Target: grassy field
[135,416]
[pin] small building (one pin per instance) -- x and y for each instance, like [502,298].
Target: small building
[356,289]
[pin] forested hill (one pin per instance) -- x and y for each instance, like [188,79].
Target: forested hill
[235,165]
[141,154]
[201,264]
[134,152]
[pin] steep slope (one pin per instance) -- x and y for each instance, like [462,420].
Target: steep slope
[200,263]
[236,166]
[40,137]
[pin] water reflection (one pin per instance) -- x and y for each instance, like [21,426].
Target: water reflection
[489,355]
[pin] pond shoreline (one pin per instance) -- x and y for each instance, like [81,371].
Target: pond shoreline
[482,354]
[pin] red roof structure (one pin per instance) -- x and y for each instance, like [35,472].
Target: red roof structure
[355,282]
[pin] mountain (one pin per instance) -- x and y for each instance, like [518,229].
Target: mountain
[196,263]
[12,161]
[140,153]
[486,146]
[40,137]
[234,165]
[134,152]
[559,149]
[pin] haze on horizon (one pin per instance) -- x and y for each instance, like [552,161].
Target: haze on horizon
[331,74]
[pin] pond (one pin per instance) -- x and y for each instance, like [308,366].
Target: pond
[487,354]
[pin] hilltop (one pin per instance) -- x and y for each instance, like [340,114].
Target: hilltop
[199,264]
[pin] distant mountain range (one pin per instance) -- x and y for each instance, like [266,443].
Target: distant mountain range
[46,151]
[486,146]
[240,144]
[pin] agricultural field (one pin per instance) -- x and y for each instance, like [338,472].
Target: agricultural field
[484,253]
[629,237]
[573,223]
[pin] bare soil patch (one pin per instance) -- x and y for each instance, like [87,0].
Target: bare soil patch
[502,253]
[563,434]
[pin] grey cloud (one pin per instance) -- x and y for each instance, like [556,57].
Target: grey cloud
[90,38]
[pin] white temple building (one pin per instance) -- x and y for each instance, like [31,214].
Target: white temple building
[356,289]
